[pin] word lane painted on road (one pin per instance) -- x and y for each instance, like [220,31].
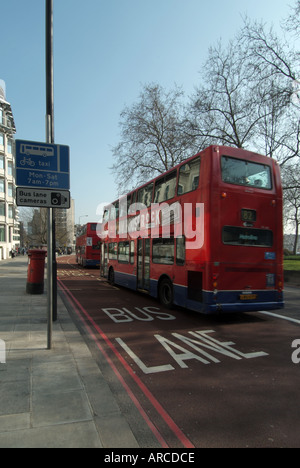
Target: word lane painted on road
[198,345]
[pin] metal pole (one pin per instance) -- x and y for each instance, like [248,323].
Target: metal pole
[49,280]
[50,139]
[49,72]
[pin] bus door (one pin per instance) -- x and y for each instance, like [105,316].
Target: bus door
[103,260]
[143,264]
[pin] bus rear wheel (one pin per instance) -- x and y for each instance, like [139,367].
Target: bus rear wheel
[165,293]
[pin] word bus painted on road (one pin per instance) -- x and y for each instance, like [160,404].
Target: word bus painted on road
[87,246]
[144,314]
[206,235]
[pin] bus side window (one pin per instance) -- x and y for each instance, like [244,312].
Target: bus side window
[189,176]
[180,250]
[114,211]
[165,187]
[123,252]
[113,251]
[163,251]
[128,203]
[132,252]
[145,195]
[105,216]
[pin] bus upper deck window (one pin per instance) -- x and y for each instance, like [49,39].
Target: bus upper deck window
[165,187]
[189,176]
[248,173]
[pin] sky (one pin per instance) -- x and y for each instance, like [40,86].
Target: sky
[105,51]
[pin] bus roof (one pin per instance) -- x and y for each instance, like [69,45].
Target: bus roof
[230,151]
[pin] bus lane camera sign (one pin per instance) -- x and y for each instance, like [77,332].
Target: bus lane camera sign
[42,165]
[43,198]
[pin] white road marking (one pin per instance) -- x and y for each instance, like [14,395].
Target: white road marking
[289,319]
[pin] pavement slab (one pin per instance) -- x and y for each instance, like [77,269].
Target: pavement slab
[54,398]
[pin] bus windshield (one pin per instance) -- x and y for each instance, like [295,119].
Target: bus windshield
[250,174]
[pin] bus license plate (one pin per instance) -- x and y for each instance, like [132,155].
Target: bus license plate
[248,297]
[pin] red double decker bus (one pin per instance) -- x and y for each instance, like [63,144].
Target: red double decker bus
[88,246]
[206,235]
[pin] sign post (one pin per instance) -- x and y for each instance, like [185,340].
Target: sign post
[43,176]
[43,181]
[51,272]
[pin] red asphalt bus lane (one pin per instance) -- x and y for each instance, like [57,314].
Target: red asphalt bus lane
[197,381]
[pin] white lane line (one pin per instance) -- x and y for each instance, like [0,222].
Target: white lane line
[289,319]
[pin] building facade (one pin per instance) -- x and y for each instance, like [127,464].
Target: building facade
[65,231]
[9,225]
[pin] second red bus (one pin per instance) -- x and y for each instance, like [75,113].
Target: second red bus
[88,246]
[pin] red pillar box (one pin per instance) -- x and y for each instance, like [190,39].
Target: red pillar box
[36,271]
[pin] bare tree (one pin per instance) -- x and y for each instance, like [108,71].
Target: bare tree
[291,177]
[278,129]
[270,55]
[292,23]
[247,99]
[223,107]
[246,95]
[275,65]
[37,228]
[153,137]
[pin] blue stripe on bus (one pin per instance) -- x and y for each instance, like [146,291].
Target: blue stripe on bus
[224,301]
[92,262]
[228,301]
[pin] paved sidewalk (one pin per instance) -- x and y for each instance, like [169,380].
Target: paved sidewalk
[50,398]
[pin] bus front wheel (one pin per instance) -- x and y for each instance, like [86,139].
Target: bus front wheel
[165,293]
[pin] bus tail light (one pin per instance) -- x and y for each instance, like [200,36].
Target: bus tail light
[215,281]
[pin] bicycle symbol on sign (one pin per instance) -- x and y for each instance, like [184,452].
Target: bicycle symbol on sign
[27,161]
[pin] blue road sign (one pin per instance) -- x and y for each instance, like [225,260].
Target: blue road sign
[42,165]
